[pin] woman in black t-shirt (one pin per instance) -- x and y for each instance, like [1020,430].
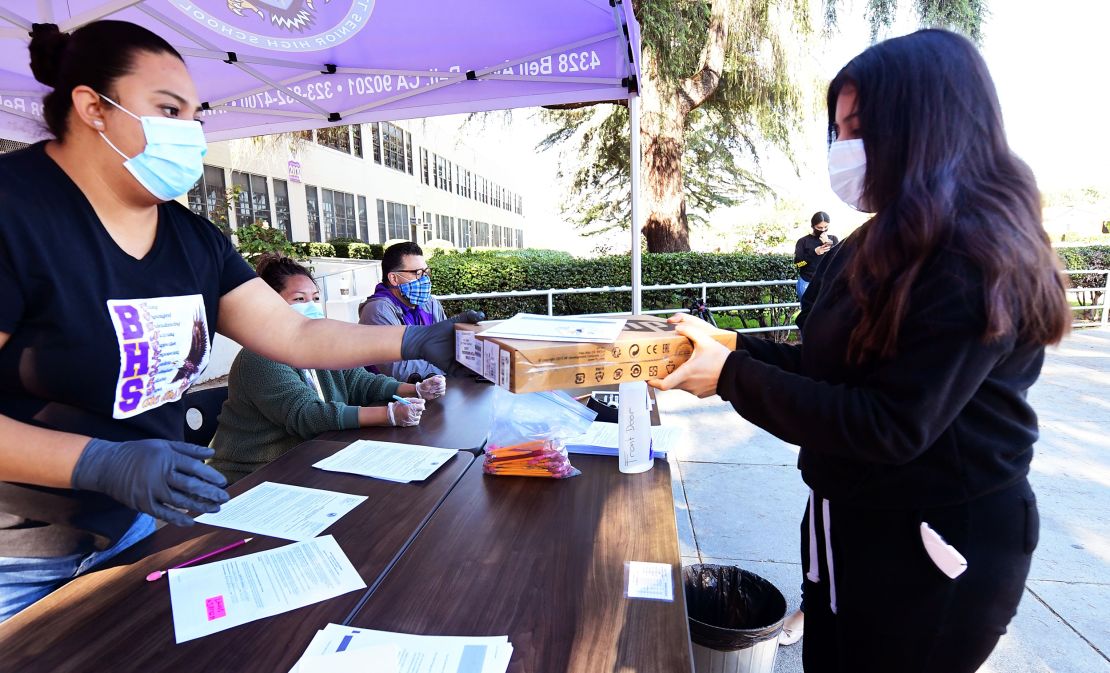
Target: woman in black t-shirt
[921,334]
[114,292]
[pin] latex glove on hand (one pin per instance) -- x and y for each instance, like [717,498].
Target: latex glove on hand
[436,343]
[406,415]
[154,476]
[698,375]
[431,387]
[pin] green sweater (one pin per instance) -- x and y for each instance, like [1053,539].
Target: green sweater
[272,407]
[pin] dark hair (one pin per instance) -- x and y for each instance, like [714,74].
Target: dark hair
[818,217]
[395,254]
[941,178]
[277,269]
[95,55]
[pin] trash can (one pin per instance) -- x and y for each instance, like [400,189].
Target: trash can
[735,619]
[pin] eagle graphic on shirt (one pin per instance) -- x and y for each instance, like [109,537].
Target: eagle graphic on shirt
[197,350]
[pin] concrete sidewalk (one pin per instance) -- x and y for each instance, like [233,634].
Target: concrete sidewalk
[739,500]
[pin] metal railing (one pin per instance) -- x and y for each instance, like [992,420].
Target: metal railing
[1092,293]
[1083,292]
[703,287]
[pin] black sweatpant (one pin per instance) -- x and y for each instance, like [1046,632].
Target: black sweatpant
[889,609]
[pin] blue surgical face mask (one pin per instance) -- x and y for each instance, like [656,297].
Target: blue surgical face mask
[418,291]
[173,159]
[309,309]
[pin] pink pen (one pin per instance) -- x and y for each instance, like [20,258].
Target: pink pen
[157,574]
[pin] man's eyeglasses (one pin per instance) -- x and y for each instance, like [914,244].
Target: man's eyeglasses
[419,273]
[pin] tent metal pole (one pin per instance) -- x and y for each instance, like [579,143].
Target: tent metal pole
[634,162]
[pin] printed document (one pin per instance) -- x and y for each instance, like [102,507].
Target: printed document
[553,328]
[416,654]
[402,463]
[281,510]
[213,597]
[602,439]
[649,580]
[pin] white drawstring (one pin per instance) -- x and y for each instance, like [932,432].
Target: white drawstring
[813,574]
[829,555]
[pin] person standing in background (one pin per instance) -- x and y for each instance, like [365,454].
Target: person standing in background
[810,249]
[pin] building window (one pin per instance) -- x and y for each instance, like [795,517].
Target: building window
[363,223]
[466,234]
[424,165]
[519,238]
[445,228]
[336,137]
[393,147]
[281,208]
[338,214]
[441,173]
[383,234]
[375,135]
[356,140]
[393,220]
[481,234]
[408,152]
[450,177]
[208,197]
[252,205]
[312,198]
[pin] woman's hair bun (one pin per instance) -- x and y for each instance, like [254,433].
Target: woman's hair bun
[47,45]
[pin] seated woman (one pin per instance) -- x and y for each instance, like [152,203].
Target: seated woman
[272,407]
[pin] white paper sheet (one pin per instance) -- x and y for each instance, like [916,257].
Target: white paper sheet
[650,580]
[380,659]
[601,439]
[209,598]
[282,510]
[387,460]
[417,654]
[554,328]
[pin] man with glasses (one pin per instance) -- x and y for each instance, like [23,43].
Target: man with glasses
[404,297]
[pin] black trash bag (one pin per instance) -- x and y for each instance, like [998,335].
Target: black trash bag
[731,609]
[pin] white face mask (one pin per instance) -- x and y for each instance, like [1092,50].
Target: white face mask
[847,168]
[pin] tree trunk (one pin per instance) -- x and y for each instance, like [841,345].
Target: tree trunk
[664,107]
[662,143]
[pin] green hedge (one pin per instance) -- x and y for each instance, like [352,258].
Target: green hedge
[353,248]
[505,270]
[500,271]
[1086,257]
[305,249]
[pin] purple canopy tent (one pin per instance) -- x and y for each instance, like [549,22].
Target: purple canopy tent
[271,66]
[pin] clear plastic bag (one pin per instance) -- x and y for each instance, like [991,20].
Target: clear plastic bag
[529,432]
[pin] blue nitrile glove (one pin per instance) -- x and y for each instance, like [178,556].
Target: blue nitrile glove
[436,343]
[152,476]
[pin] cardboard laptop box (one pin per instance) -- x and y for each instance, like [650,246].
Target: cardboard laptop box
[647,348]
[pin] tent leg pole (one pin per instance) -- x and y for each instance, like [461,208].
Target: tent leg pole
[634,161]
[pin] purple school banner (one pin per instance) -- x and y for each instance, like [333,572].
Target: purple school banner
[268,66]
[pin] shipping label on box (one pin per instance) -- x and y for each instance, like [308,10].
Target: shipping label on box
[648,348]
[491,360]
[468,350]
